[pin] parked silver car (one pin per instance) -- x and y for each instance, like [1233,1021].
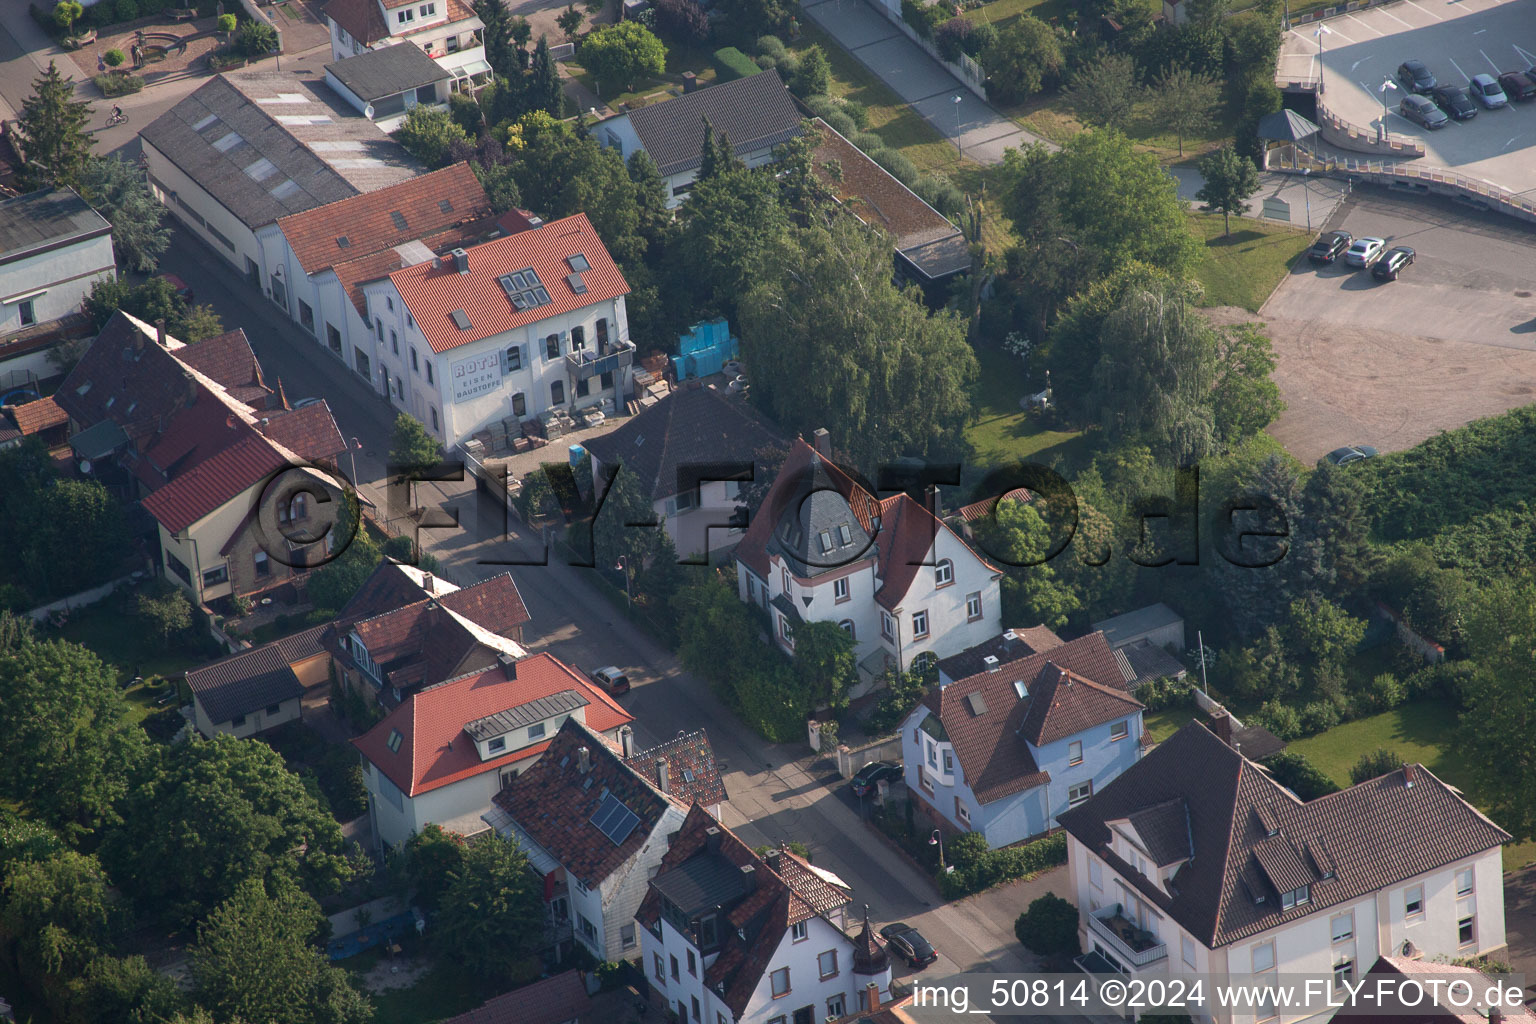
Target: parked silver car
[1487,91]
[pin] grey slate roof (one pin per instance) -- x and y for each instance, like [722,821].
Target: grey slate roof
[816,507]
[1123,628]
[688,431]
[375,74]
[246,682]
[701,882]
[754,113]
[44,220]
[523,715]
[266,145]
[1368,837]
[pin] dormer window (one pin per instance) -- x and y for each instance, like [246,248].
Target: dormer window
[536,731]
[1296,897]
[497,745]
[844,534]
[826,541]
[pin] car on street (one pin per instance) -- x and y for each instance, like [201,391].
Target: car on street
[1364,252]
[1413,76]
[181,288]
[1329,246]
[866,779]
[1518,86]
[1350,453]
[612,680]
[1422,110]
[909,944]
[1487,91]
[1392,263]
[1453,99]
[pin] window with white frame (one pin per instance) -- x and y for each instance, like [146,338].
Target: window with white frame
[1120,730]
[1296,897]
[836,1006]
[1075,752]
[1343,971]
[784,580]
[497,744]
[919,625]
[961,811]
[949,760]
[886,628]
[840,589]
[1342,926]
[826,963]
[973,606]
[933,754]
[1413,902]
[1466,927]
[786,631]
[944,573]
[779,979]
[1079,793]
[847,627]
[798,931]
[1464,879]
[1264,963]
[661,968]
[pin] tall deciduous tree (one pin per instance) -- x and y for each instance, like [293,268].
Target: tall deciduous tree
[730,224]
[51,127]
[1032,592]
[59,911]
[492,916]
[619,55]
[1104,91]
[1244,399]
[411,448]
[1230,181]
[825,662]
[1024,59]
[834,344]
[120,192]
[1184,102]
[1500,710]
[224,811]
[165,612]
[68,751]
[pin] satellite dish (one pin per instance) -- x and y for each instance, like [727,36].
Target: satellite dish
[85,467]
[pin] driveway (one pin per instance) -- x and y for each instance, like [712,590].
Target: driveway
[1391,364]
[919,79]
[1312,200]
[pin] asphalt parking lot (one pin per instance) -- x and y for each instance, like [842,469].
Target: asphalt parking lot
[1456,39]
[1391,363]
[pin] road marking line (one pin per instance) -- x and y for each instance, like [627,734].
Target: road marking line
[1460,72]
[1490,61]
[1388,14]
[1511,141]
[1341,35]
[1416,7]
[1373,28]
[1524,54]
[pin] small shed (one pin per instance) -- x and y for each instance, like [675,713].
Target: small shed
[1157,624]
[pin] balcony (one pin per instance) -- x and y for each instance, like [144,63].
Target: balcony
[587,363]
[1123,939]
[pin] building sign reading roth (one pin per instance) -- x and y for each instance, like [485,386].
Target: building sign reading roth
[474,377]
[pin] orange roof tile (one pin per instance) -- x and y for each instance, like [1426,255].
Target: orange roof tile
[433,294]
[213,482]
[38,415]
[434,750]
[385,217]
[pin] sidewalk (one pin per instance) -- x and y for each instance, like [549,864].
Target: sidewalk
[1313,198]
[920,80]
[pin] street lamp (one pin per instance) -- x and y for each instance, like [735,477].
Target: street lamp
[1386,83]
[937,839]
[958,144]
[1322,30]
[623,566]
[1305,172]
[352,454]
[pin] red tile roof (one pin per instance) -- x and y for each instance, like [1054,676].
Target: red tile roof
[551,1001]
[434,749]
[433,294]
[1063,703]
[38,415]
[983,508]
[693,774]
[355,273]
[990,747]
[214,482]
[228,360]
[310,432]
[554,803]
[368,221]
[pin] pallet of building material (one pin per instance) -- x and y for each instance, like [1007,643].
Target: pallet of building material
[514,427]
[484,437]
[475,448]
[522,444]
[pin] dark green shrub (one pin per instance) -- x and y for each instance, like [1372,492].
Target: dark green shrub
[1300,776]
[841,123]
[942,195]
[1159,694]
[117,85]
[732,64]
[1049,927]
[126,10]
[113,58]
[858,113]
[255,38]
[902,169]
[1374,765]
[821,106]
[771,46]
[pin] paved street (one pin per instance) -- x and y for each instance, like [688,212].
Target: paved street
[919,79]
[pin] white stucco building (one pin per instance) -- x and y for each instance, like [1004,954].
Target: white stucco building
[1196,861]
[448,31]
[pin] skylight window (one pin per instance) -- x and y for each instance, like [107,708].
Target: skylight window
[398,218]
[395,738]
[445,206]
[460,319]
[579,263]
[1020,689]
[524,289]
[844,534]
[577,284]
[342,242]
[687,774]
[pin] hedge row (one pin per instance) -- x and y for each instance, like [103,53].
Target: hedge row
[985,869]
[732,64]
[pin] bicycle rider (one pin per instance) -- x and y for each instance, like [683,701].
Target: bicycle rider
[117,114]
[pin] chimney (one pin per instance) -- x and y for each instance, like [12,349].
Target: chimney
[1495,1014]
[508,665]
[991,662]
[663,777]
[1221,725]
[1009,639]
[461,261]
[160,332]
[874,997]
[931,499]
[138,343]
[1408,774]
[823,442]
[627,741]
[690,82]
[583,760]
[712,839]
[191,382]
[428,583]
[749,876]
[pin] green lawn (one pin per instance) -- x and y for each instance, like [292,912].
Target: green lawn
[1004,12]
[1244,269]
[120,639]
[439,994]
[1002,429]
[1162,724]
[1423,732]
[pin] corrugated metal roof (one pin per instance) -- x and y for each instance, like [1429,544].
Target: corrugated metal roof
[503,722]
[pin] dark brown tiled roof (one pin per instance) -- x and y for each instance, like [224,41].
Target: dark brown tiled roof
[1025,642]
[361,19]
[1395,969]
[757,923]
[310,432]
[553,802]
[689,430]
[227,358]
[990,746]
[1375,835]
[551,1001]
[494,604]
[303,646]
[246,682]
[693,775]
[1164,831]
[754,113]
[390,586]
[869,953]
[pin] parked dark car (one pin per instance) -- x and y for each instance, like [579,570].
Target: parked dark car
[1350,453]
[1329,246]
[909,944]
[1391,263]
[1518,86]
[1453,99]
[864,782]
[1422,110]
[1413,76]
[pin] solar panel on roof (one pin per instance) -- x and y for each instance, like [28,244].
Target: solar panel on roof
[615,820]
[445,206]
[398,218]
